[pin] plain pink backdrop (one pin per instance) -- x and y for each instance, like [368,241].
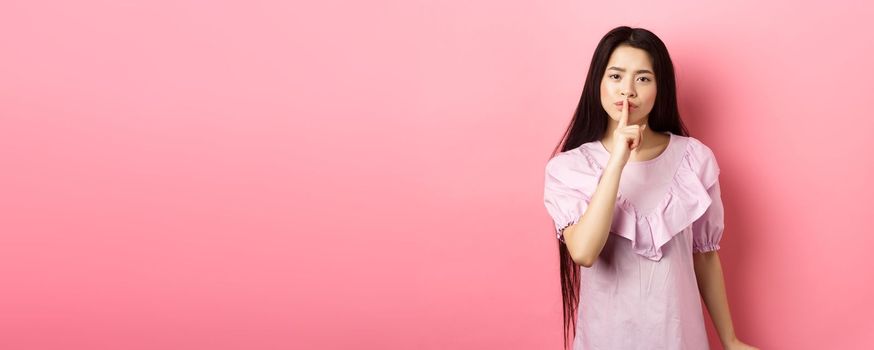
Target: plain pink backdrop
[369,175]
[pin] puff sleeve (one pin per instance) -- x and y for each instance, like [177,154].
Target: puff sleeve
[564,193]
[707,229]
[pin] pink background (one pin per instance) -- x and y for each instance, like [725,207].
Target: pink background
[369,175]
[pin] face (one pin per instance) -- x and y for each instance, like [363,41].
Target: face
[629,72]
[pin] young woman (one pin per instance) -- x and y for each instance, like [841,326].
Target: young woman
[629,167]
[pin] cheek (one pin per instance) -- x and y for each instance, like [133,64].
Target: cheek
[650,98]
[605,94]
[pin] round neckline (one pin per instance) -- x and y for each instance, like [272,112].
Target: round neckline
[643,162]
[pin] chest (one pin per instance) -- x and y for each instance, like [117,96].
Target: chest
[646,185]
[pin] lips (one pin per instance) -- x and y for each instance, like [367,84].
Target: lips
[629,104]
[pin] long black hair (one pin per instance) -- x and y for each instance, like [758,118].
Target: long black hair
[589,123]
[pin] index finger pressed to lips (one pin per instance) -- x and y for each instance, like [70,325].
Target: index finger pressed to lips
[623,118]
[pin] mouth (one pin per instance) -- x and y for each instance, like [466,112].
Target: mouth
[631,107]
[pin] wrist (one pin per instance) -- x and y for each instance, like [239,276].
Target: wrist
[728,340]
[616,163]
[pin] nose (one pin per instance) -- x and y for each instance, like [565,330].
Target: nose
[627,89]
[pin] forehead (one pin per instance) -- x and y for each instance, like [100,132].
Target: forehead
[629,58]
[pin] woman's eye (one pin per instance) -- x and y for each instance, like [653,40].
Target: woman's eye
[616,76]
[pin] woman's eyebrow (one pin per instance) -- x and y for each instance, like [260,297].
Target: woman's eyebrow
[637,72]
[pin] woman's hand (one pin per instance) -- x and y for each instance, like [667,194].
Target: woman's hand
[736,344]
[626,137]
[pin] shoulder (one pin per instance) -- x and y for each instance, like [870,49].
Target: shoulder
[571,166]
[574,159]
[694,148]
[560,161]
[702,160]
[700,152]
[698,147]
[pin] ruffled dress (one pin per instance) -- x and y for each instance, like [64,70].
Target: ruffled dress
[641,292]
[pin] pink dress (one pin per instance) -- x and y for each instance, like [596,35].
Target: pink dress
[641,292]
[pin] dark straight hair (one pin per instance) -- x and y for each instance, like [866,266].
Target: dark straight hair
[589,123]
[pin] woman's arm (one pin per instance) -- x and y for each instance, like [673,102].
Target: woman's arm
[708,272]
[587,237]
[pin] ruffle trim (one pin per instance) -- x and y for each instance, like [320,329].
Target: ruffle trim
[685,201]
[706,248]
